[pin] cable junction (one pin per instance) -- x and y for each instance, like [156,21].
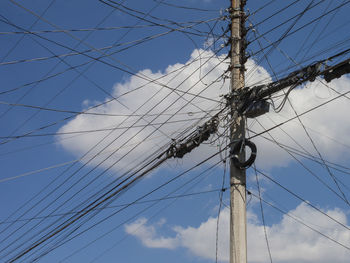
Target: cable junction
[179,149]
[251,101]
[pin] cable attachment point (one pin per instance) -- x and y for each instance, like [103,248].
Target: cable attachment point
[238,148]
[178,150]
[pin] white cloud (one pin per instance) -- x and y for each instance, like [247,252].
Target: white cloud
[289,241]
[148,235]
[323,124]
[160,100]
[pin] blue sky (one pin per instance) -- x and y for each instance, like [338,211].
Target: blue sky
[53,160]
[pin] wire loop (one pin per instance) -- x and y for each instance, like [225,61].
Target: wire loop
[238,147]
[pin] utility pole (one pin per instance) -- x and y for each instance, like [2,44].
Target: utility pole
[238,228]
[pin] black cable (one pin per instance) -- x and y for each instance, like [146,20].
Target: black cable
[219,210]
[263,7]
[79,74]
[262,211]
[185,7]
[262,214]
[138,213]
[306,168]
[31,26]
[274,14]
[83,156]
[302,223]
[302,46]
[81,29]
[298,29]
[86,210]
[129,44]
[286,21]
[99,113]
[299,115]
[284,35]
[142,77]
[99,130]
[303,200]
[125,93]
[335,166]
[120,205]
[307,133]
[117,160]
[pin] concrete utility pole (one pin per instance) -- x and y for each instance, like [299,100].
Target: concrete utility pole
[238,228]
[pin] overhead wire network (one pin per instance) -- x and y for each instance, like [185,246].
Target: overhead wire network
[121,90]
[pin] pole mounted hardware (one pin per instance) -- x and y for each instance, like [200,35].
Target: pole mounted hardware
[337,71]
[238,148]
[178,150]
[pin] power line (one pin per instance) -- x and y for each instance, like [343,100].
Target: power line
[31,26]
[106,197]
[186,7]
[306,168]
[139,213]
[303,200]
[301,222]
[298,29]
[126,142]
[121,205]
[93,156]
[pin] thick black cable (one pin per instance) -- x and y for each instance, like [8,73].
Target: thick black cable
[299,115]
[127,71]
[110,195]
[140,212]
[110,166]
[283,36]
[307,133]
[88,152]
[78,227]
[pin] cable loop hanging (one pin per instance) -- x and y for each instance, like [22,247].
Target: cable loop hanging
[239,147]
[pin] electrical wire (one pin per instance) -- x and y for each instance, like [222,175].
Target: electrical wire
[31,26]
[109,195]
[302,223]
[301,114]
[118,159]
[87,153]
[300,28]
[307,169]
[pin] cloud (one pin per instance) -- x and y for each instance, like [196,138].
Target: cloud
[132,144]
[148,235]
[325,125]
[289,241]
[152,99]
